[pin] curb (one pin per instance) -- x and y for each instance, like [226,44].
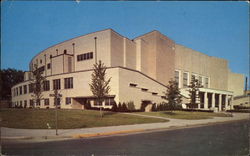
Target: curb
[17,138]
[77,136]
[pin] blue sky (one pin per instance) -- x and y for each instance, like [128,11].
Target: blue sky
[218,29]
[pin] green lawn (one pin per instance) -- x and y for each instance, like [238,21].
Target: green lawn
[185,114]
[67,119]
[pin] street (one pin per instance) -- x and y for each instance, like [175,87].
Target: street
[219,139]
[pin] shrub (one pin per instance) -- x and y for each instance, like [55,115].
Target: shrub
[119,109]
[131,106]
[154,108]
[114,108]
[124,107]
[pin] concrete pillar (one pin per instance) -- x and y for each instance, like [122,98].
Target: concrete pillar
[205,100]
[226,102]
[213,100]
[199,104]
[220,101]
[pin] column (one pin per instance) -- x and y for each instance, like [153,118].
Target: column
[213,100]
[226,102]
[199,104]
[231,102]
[220,101]
[205,100]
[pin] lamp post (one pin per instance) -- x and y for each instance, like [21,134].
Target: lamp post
[57,97]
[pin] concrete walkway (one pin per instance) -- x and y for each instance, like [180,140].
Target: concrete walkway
[11,133]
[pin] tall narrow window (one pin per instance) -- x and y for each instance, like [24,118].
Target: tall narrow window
[185,79]
[25,89]
[20,90]
[31,103]
[68,100]
[48,66]
[56,84]
[46,102]
[46,85]
[30,88]
[68,83]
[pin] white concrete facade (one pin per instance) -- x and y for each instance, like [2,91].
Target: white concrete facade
[139,69]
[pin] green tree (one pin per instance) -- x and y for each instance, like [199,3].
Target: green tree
[194,92]
[8,78]
[99,85]
[173,96]
[37,82]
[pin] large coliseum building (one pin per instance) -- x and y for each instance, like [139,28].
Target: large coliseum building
[140,70]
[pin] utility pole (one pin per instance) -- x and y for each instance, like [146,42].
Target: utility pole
[57,97]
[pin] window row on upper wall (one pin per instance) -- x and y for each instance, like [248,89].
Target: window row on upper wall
[85,56]
[184,78]
[68,84]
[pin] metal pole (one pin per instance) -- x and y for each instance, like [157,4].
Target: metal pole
[95,50]
[56,109]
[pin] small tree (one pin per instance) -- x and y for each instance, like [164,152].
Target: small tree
[99,85]
[194,91]
[173,95]
[37,84]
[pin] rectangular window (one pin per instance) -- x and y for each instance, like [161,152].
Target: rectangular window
[206,82]
[25,89]
[68,100]
[48,66]
[144,89]
[176,77]
[56,84]
[21,103]
[46,85]
[185,80]
[46,102]
[85,56]
[25,103]
[154,93]
[17,91]
[20,90]
[95,103]
[58,102]
[38,102]
[91,55]
[31,103]
[30,88]
[68,83]
[107,102]
[132,85]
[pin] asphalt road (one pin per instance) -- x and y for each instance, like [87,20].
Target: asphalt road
[227,139]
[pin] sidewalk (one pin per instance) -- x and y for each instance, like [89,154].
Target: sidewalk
[46,135]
